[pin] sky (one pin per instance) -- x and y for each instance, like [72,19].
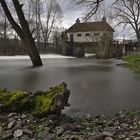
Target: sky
[72,12]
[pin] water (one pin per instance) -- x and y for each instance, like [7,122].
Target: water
[97,86]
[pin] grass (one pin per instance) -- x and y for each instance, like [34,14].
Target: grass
[133,62]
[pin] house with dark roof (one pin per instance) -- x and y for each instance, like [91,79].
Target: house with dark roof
[90,31]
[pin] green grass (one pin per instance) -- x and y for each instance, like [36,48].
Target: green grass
[131,59]
[133,62]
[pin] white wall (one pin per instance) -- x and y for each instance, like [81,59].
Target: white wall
[91,38]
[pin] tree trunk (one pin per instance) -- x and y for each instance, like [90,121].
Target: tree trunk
[23,31]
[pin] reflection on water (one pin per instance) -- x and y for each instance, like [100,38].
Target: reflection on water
[97,86]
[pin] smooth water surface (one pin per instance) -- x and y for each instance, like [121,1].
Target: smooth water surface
[97,86]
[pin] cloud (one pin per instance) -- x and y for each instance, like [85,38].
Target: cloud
[70,12]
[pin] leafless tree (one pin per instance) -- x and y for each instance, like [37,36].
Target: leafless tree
[53,17]
[23,31]
[3,25]
[43,17]
[91,5]
[127,13]
[37,10]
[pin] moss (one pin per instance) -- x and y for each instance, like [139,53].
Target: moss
[13,100]
[35,127]
[19,101]
[16,96]
[42,103]
[133,62]
[3,90]
[132,113]
[4,96]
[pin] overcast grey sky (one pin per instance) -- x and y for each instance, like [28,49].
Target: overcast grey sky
[70,12]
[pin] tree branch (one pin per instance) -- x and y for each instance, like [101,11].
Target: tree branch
[15,26]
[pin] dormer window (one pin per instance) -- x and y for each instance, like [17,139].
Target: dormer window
[87,34]
[79,35]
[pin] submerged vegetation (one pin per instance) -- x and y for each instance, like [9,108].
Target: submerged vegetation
[133,62]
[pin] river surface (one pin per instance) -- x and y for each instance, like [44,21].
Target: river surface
[97,86]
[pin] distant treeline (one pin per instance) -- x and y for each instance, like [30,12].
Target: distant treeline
[14,47]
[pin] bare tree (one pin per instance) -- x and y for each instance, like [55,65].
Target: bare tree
[3,25]
[23,31]
[43,17]
[91,5]
[127,13]
[53,17]
[37,10]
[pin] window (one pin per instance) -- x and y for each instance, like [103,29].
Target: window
[96,34]
[71,37]
[79,35]
[87,34]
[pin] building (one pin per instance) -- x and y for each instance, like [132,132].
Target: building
[89,31]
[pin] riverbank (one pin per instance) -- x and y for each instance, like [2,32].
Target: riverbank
[119,126]
[133,62]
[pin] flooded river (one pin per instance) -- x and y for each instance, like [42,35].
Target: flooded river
[97,86]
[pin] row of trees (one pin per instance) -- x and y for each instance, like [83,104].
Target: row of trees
[37,23]
[43,17]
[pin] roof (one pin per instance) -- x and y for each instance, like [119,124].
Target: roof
[90,26]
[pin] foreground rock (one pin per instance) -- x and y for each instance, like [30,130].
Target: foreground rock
[120,126]
[38,103]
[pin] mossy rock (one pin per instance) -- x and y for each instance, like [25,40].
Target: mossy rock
[38,103]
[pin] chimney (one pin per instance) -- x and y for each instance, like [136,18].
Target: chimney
[104,19]
[77,20]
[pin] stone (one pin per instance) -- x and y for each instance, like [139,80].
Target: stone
[17,117]
[109,138]
[11,124]
[59,131]
[25,137]
[28,132]
[18,133]
[18,125]
[52,137]
[42,135]
[108,134]
[11,119]
[15,138]
[137,138]
[7,135]
[0,130]
[11,115]
[23,116]
[96,138]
